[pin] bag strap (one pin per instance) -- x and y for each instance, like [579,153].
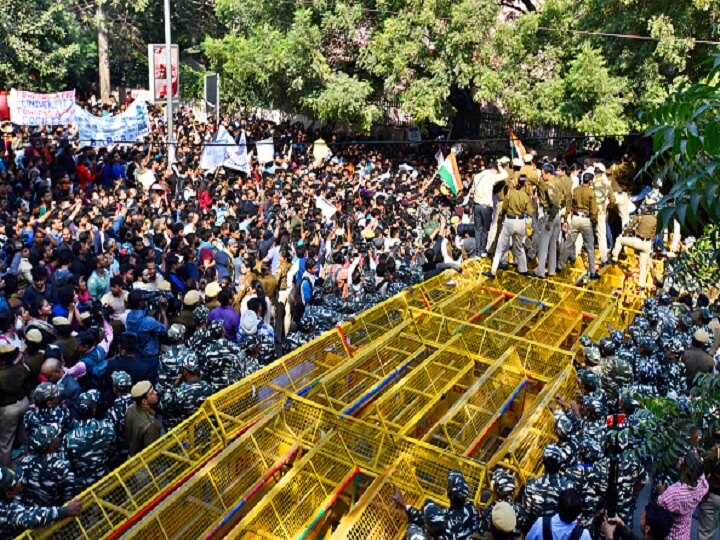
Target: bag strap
[547,528]
[576,533]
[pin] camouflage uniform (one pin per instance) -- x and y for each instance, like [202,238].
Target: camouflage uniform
[305,333]
[116,416]
[503,484]
[615,372]
[15,517]
[87,446]
[178,403]
[593,425]
[673,378]
[630,472]
[40,414]
[201,337]
[430,523]
[565,426]
[542,493]
[461,518]
[222,362]
[47,478]
[169,367]
[590,478]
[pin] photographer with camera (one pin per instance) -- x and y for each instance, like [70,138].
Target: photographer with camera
[146,327]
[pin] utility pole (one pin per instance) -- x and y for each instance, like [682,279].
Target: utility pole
[169,87]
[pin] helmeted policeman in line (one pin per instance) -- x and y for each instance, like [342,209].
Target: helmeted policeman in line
[16,517]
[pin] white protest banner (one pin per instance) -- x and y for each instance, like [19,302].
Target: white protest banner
[32,109]
[236,157]
[326,207]
[265,150]
[214,153]
[127,126]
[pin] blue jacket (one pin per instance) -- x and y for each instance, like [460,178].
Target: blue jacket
[148,331]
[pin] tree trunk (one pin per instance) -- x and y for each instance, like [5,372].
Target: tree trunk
[103,52]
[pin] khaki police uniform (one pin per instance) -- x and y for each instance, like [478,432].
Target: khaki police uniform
[550,201]
[516,207]
[640,237]
[605,199]
[583,219]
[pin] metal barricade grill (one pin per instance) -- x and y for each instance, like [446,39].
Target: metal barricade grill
[454,373]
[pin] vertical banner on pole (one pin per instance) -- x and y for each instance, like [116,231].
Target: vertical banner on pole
[158,72]
[212,94]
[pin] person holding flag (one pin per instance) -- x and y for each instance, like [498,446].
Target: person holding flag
[450,174]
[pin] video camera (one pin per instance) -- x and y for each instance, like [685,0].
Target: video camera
[158,299]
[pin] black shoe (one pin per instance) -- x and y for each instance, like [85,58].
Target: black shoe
[489,275]
[594,276]
[503,266]
[524,273]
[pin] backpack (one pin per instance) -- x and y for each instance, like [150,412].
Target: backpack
[547,530]
[295,301]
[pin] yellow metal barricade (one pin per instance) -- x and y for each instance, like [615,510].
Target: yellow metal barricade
[522,450]
[455,368]
[108,503]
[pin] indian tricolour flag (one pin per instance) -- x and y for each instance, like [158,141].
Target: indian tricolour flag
[450,174]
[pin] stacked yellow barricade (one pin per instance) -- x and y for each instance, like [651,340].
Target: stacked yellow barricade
[454,373]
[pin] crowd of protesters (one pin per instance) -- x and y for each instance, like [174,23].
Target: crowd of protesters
[130,291]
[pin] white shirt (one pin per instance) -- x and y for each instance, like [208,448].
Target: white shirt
[483,185]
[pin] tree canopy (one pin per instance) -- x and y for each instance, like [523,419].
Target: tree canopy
[556,62]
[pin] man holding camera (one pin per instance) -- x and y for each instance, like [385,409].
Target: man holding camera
[146,327]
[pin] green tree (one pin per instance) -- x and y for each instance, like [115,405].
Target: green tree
[43,46]
[686,139]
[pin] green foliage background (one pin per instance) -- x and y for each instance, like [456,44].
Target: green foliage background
[345,60]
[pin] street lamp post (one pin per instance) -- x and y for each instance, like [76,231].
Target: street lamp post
[169,88]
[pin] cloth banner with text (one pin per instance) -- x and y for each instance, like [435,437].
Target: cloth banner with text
[127,126]
[33,109]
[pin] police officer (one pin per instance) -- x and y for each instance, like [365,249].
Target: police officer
[482,190]
[191,300]
[542,493]
[550,200]
[530,171]
[46,476]
[499,219]
[222,362]
[605,199]
[590,477]
[306,332]
[516,208]
[187,394]
[673,378]
[121,385]
[639,236]
[15,383]
[141,426]
[502,482]
[66,340]
[87,445]
[461,517]
[199,341]
[583,212]
[16,517]
[169,364]
[47,410]
[630,473]
[426,524]
[614,372]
